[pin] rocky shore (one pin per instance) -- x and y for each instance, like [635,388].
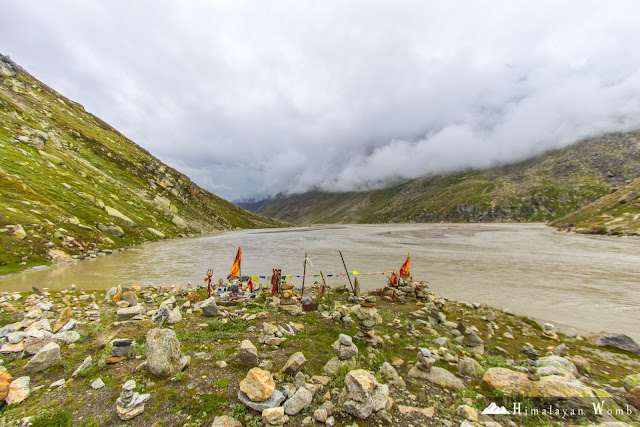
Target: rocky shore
[152,356]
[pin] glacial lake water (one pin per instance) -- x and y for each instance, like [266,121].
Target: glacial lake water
[590,283]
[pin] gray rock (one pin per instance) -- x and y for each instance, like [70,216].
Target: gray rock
[294,364]
[129,312]
[209,307]
[111,230]
[67,337]
[620,341]
[248,355]
[274,400]
[97,384]
[468,367]
[84,365]
[471,339]
[164,357]
[160,315]
[437,376]
[48,356]
[564,366]
[300,400]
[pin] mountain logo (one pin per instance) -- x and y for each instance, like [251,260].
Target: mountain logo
[494,409]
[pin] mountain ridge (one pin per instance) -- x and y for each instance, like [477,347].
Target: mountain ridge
[540,189]
[71,185]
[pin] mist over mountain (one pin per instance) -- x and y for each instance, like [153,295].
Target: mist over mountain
[337,96]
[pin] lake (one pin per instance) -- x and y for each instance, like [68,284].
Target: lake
[590,283]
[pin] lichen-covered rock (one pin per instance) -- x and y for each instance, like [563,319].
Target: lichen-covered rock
[363,394]
[296,403]
[164,357]
[468,367]
[294,364]
[437,376]
[554,386]
[258,385]
[18,390]
[48,356]
[621,341]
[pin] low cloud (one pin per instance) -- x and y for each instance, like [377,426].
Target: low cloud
[335,95]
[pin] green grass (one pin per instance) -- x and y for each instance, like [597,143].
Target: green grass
[61,418]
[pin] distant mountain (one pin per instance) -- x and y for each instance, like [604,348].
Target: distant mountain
[71,185]
[543,188]
[617,213]
[252,205]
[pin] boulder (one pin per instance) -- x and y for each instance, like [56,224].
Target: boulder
[119,215]
[248,355]
[5,380]
[620,341]
[67,337]
[294,364]
[164,357]
[437,376]
[633,397]
[129,297]
[362,394]
[258,385]
[554,386]
[209,308]
[559,366]
[48,356]
[127,313]
[156,233]
[129,329]
[18,390]
[111,230]
[64,317]
[631,381]
[299,401]
[225,421]
[468,367]
[274,400]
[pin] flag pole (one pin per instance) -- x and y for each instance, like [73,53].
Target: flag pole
[304,274]
[347,271]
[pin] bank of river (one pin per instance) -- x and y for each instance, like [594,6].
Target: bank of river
[586,282]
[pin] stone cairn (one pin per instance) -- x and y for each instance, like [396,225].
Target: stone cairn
[130,403]
[532,362]
[472,342]
[346,352]
[425,360]
[412,291]
[367,317]
[287,300]
[345,348]
[362,394]
[549,332]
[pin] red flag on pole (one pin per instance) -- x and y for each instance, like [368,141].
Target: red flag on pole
[235,268]
[405,269]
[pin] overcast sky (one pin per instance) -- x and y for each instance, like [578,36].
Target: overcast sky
[254,98]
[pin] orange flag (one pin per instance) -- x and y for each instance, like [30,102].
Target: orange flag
[235,268]
[404,270]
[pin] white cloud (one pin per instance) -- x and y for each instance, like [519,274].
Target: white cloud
[254,99]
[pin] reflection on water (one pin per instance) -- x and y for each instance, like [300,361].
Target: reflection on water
[587,282]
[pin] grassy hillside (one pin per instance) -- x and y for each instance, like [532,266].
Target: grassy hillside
[71,185]
[540,189]
[615,213]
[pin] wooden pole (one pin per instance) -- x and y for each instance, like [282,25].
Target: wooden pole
[347,271]
[324,285]
[304,274]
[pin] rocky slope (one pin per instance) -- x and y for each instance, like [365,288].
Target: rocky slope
[539,189]
[71,185]
[616,213]
[165,356]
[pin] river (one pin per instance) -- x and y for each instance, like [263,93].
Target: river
[590,283]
